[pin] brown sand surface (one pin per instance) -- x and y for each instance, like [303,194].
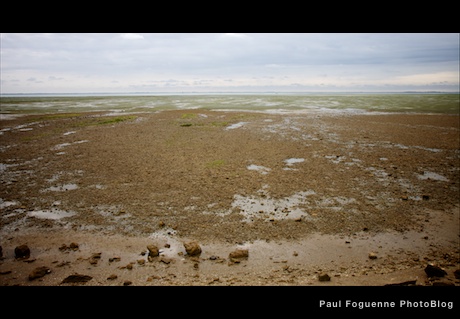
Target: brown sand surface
[366,199]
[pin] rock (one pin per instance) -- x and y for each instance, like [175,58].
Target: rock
[153,251]
[192,248]
[112,277]
[72,246]
[95,258]
[127,283]
[77,278]
[39,272]
[324,277]
[238,254]
[434,271]
[457,274]
[372,255]
[22,251]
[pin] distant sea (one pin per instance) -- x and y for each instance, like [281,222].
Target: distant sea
[445,103]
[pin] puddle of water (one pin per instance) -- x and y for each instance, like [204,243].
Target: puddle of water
[61,146]
[62,188]
[292,161]
[4,204]
[252,207]
[53,214]
[236,125]
[262,169]
[432,176]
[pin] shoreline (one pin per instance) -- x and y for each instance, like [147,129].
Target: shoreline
[303,193]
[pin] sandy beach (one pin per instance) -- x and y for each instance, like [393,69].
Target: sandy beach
[306,198]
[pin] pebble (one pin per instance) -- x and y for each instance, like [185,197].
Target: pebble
[372,255]
[238,254]
[153,251]
[22,251]
[76,278]
[324,277]
[192,248]
[434,271]
[39,272]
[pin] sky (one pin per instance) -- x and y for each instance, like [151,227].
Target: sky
[228,62]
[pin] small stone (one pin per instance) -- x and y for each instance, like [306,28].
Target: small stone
[141,262]
[77,278]
[372,255]
[22,251]
[425,197]
[153,251]
[39,272]
[73,246]
[324,277]
[434,271]
[457,274]
[112,277]
[127,283]
[192,248]
[238,254]
[96,256]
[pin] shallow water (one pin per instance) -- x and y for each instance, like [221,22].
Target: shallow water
[50,214]
[269,102]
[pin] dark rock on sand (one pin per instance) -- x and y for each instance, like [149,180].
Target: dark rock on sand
[457,274]
[39,272]
[77,278]
[434,271]
[192,248]
[22,251]
[112,277]
[324,277]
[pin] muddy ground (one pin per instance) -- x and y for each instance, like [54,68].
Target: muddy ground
[366,199]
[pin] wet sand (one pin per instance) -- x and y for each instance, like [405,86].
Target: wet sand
[366,199]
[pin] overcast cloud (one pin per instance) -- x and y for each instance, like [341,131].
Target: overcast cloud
[176,62]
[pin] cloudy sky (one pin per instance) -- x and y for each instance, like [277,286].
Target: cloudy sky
[228,62]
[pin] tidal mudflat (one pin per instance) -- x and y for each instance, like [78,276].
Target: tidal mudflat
[366,199]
